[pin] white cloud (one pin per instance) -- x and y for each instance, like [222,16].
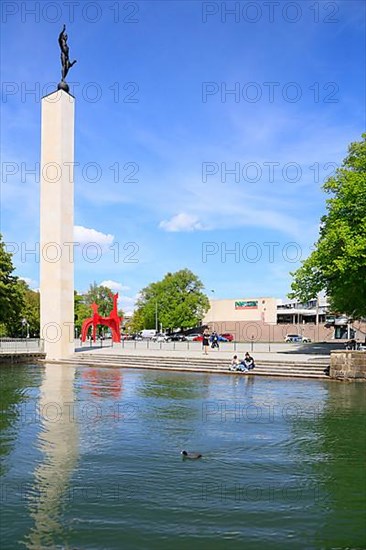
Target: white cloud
[128,300]
[127,303]
[85,235]
[181,222]
[129,313]
[114,285]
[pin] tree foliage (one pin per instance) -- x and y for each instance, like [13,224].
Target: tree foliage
[11,294]
[338,263]
[137,321]
[177,301]
[81,309]
[31,310]
[102,296]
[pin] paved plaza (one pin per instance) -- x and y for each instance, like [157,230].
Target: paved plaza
[260,350]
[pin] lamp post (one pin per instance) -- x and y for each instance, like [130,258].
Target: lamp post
[317,316]
[213,316]
[25,324]
[156,315]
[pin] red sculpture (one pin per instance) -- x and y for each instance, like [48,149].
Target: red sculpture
[113,321]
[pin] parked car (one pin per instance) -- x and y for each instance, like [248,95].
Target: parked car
[192,337]
[297,338]
[199,338]
[160,337]
[177,337]
[229,337]
[148,334]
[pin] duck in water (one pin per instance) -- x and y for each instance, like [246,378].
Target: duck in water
[192,456]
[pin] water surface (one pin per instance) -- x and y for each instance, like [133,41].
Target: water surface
[91,460]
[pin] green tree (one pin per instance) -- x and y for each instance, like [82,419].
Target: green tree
[11,295]
[338,263]
[102,296]
[81,309]
[31,310]
[177,302]
[137,321]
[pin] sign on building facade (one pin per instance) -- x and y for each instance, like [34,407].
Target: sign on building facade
[247,304]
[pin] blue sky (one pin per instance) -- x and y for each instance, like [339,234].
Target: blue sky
[157,126]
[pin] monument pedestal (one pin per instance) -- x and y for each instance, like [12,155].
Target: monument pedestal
[57,224]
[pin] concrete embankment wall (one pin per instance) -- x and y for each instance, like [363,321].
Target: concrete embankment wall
[21,357]
[348,365]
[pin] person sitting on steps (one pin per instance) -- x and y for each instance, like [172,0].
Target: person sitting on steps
[234,365]
[248,361]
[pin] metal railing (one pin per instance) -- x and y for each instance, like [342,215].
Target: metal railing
[19,345]
[240,347]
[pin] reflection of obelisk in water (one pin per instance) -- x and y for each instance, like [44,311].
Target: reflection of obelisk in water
[58,442]
[57,224]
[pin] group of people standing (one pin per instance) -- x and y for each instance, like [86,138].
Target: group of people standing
[207,338]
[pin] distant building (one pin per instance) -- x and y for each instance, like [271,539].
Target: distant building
[271,319]
[242,309]
[291,311]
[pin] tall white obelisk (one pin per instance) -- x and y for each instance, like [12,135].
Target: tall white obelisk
[57,224]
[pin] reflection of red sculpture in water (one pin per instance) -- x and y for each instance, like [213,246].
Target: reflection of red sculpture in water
[113,321]
[103,382]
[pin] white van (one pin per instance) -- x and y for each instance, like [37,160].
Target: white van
[148,333]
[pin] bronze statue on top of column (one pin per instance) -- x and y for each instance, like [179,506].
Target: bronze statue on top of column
[65,61]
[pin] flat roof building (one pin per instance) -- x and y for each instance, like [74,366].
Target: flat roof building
[269,319]
[242,309]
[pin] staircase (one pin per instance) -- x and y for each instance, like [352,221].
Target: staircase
[310,369]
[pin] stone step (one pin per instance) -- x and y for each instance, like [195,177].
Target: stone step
[190,365]
[260,372]
[186,360]
[305,368]
[193,361]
